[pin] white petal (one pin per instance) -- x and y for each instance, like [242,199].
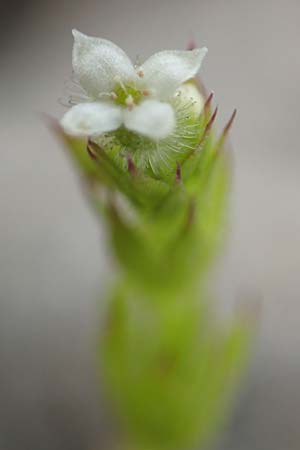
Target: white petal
[97,62]
[91,119]
[165,71]
[151,118]
[189,93]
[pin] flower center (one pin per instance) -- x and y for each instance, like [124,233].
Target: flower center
[127,95]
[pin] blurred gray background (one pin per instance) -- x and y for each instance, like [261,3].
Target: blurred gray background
[53,262]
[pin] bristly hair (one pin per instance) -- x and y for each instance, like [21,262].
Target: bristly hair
[161,156]
[73,93]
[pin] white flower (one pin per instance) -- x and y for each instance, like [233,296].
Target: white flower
[120,94]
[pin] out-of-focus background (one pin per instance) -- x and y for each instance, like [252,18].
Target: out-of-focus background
[53,262]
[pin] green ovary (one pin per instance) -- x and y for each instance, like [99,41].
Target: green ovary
[158,158]
[124,91]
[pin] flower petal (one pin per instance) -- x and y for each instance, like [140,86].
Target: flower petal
[97,62]
[151,118]
[165,71]
[189,93]
[91,119]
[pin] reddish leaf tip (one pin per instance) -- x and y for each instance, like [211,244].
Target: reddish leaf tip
[208,102]
[178,172]
[131,166]
[211,120]
[229,123]
[90,150]
[191,45]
